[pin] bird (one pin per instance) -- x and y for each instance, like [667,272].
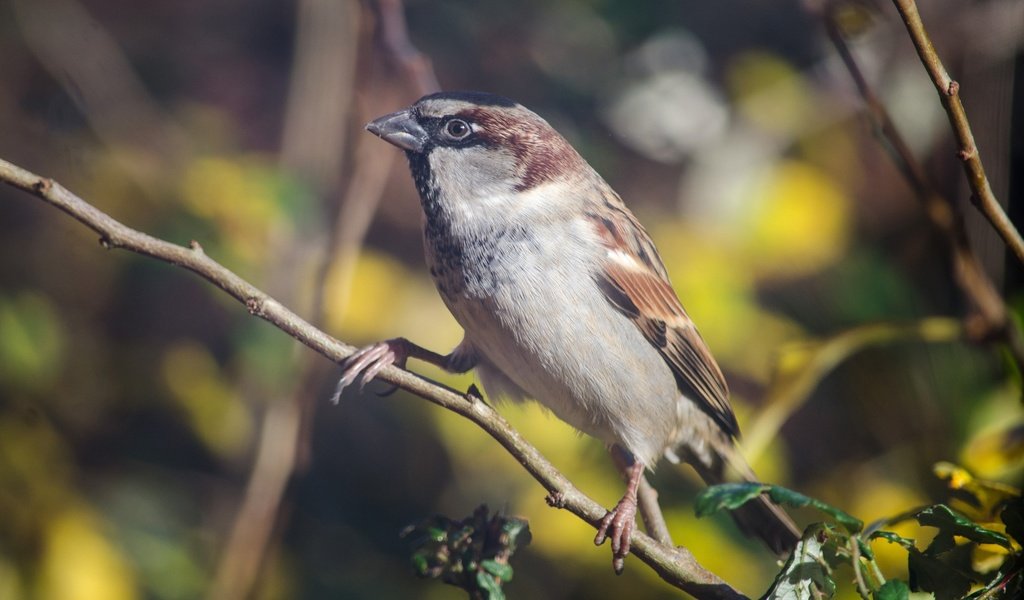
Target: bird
[563,299]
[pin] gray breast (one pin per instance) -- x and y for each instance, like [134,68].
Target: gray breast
[527,300]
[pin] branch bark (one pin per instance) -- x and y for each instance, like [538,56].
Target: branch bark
[949,95]
[677,566]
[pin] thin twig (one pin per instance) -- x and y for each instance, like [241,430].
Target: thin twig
[650,512]
[994,321]
[395,36]
[862,587]
[949,95]
[677,566]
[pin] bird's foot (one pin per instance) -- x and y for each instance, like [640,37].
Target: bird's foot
[366,363]
[618,525]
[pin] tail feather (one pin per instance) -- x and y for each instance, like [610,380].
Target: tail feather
[759,517]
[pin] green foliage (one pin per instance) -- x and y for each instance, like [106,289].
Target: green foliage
[472,554]
[893,589]
[945,568]
[734,495]
[807,573]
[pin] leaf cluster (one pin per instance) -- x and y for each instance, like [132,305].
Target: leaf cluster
[472,554]
[945,569]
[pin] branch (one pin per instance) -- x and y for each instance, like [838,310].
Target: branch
[994,319]
[395,37]
[677,566]
[949,95]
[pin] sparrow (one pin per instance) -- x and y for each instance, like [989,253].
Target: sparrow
[563,299]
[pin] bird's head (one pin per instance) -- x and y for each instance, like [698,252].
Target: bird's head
[470,146]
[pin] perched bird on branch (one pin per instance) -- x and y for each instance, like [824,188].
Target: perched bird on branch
[563,298]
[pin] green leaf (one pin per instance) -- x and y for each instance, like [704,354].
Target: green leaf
[806,575]
[517,532]
[929,574]
[894,589]
[489,585]
[1013,517]
[865,549]
[952,523]
[501,571]
[729,496]
[781,495]
[472,554]
[892,538]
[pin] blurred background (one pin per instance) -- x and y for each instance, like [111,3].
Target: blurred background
[158,442]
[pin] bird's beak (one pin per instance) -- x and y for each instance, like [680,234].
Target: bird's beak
[401,129]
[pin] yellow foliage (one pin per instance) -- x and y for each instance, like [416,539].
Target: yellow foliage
[362,297]
[989,497]
[716,294]
[11,584]
[741,563]
[717,291]
[798,220]
[215,411]
[80,563]
[995,450]
[35,474]
[239,196]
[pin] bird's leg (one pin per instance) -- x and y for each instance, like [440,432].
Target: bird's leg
[366,363]
[619,523]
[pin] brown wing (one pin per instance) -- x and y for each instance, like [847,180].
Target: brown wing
[635,281]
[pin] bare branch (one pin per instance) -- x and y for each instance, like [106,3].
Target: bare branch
[993,320]
[395,37]
[677,566]
[949,95]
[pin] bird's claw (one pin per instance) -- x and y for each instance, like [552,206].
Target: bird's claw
[618,525]
[368,362]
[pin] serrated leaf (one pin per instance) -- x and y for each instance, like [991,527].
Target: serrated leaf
[952,523]
[727,496]
[805,575]
[894,589]
[781,495]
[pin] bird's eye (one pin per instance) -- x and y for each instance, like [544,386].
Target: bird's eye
[457,129]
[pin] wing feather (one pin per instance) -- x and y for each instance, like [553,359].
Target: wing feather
[635,282]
